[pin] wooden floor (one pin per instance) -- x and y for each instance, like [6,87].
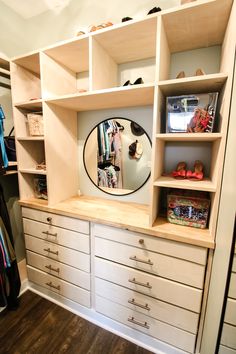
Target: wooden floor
[39,326]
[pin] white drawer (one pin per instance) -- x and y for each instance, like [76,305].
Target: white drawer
[228,337]
[176,249]
[57,220]
[159,288]
[167,267]
[230,313]
[175,316]
[64,237]
[60,270]
[59,286]
[61,254]
[225,350]
[148,325]
[232,286]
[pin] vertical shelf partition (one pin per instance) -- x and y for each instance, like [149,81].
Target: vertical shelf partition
[177,32]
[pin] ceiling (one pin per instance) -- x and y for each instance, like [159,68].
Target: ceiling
[31,8]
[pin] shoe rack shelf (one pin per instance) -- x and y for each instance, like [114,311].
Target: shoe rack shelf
[86,73]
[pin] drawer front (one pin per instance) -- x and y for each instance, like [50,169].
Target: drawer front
[60,270]
[59,286]
[225,350]
[232,286]
[147,325]
[228,337]
[61,254]
[71,239]
[173,315]
[57,220]
[159,288]
[176,249]
[230,313]
[159,264]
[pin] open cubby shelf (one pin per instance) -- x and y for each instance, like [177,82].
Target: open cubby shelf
[87,73]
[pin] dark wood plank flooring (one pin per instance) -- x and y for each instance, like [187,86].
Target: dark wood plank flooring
[39,326]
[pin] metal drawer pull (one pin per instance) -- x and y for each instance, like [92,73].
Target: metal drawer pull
[141,241]
[48,250]
[145,325]
[134,258]
[53,286]
[49,219]
[49,233]
[134,281]
[133,302]
[51,268]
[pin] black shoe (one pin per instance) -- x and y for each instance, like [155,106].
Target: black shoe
[124,19]
[138,81]
[155,9]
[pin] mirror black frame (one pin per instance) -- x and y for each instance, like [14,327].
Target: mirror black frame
[119,195]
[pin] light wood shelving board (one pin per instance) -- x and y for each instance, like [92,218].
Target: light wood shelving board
[29,62]
[5,73]
[73,54]
[131,216]
[33,171]
[189,136]
[195,84]
[128,96]
[30,105]
[200,25]
[132,42]
[170,182]
[30,138]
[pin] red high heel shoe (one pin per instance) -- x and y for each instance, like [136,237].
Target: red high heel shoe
[197,175]
[180,170]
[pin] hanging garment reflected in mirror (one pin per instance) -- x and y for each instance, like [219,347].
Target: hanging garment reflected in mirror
[117,156]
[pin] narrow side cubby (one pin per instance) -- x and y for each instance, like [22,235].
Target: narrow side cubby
[22,124]
[65,68]
[187,47]
[164,224]
[26,79]
[28,189]
[124,54]
[30,154]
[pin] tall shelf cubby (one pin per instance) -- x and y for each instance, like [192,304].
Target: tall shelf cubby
[88,72]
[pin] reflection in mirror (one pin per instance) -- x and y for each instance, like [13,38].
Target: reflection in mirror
[117,156]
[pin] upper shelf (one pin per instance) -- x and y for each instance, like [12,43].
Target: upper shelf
[197,25]
[29,62]
[128,96]
[195,84]
[31,105]
[4,63]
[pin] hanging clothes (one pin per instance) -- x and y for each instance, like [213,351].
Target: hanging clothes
[2,144]
[110,150]
[9,274]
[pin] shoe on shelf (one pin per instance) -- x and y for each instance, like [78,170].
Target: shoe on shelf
[155,9]
[180,75]
[124,19]
[139,81]
[200,72]
[94,28]
[80,33]
[197,174]
[180,172]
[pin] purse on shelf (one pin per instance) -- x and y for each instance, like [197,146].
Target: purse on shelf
[10,146]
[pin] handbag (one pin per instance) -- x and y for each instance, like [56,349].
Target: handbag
[10,146]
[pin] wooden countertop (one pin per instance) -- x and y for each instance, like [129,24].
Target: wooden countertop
[129,216]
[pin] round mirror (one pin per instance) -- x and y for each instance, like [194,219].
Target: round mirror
[117,156]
